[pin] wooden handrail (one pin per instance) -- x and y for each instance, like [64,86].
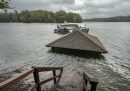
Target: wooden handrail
[13,80]
[47,80]
[32,88]
[41,69]
[34,70]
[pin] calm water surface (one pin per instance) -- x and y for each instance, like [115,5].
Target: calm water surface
[23,45]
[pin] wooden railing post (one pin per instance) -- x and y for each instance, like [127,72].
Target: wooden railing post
[36,79]
[54,74]
[93,85]
[92,81]
[61,70]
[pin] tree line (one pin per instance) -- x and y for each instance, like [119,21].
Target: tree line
[44,16]
[110,19]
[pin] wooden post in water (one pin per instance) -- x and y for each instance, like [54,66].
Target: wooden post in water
[36,79]
[54,74]
[93,85]
[53,48]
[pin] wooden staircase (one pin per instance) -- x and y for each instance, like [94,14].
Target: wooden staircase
[67,80]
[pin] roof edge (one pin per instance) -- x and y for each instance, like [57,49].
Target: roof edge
[94,42]
[58,39]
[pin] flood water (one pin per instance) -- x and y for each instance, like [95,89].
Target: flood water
[23,45]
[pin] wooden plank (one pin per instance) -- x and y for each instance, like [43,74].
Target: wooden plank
[33,88]
[60,75]
[36,79]
[93,82]
[41,69]
[85,86]
[47,80]
[72,77]
[15,79]
[54,74]
[93,85]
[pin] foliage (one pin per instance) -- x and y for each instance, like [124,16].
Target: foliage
[110,19]
[40,16]
[4,4]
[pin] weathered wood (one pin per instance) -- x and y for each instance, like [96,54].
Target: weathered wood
[47,80]
[36,79]
[13,80]
[33,88]
[72,78]
[85,86]
[61,71]
[93,85]
[93,82]
[72,40]
[41,69]
[54,74]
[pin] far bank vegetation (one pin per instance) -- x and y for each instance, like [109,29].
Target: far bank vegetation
[40,16]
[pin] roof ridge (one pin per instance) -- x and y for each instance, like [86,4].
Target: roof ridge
[91,40]
[59,38]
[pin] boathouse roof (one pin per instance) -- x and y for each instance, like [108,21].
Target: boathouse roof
[80,41]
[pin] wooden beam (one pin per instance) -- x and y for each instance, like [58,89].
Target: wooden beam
[93,85]
[33,88]
[85,86]
[54,74]
[47,80]
[34,70]
[42,69]
[15,79]
[36,79]
[61,71]
[93,82]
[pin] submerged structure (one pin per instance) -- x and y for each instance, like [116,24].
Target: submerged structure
[63,79]
[79,40]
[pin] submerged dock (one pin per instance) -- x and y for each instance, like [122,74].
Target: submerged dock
[64,79]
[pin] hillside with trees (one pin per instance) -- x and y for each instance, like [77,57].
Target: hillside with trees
[42,16]
[110,19]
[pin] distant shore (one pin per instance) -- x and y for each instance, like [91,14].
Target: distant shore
[109,19]
[40,16]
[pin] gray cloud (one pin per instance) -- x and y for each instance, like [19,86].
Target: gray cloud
[87,8]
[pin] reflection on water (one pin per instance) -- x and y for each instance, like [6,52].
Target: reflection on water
[23,46]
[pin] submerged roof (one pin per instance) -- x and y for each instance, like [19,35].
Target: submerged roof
[80,41]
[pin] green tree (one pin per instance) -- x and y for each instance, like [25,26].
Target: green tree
[4,4]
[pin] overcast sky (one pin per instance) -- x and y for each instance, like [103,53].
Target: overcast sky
[87,8]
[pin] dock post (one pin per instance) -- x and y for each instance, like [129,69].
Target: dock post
[54,74]
[36,79]
[52,48]
[93,85]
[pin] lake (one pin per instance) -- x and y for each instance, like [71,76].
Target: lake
[22,45]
